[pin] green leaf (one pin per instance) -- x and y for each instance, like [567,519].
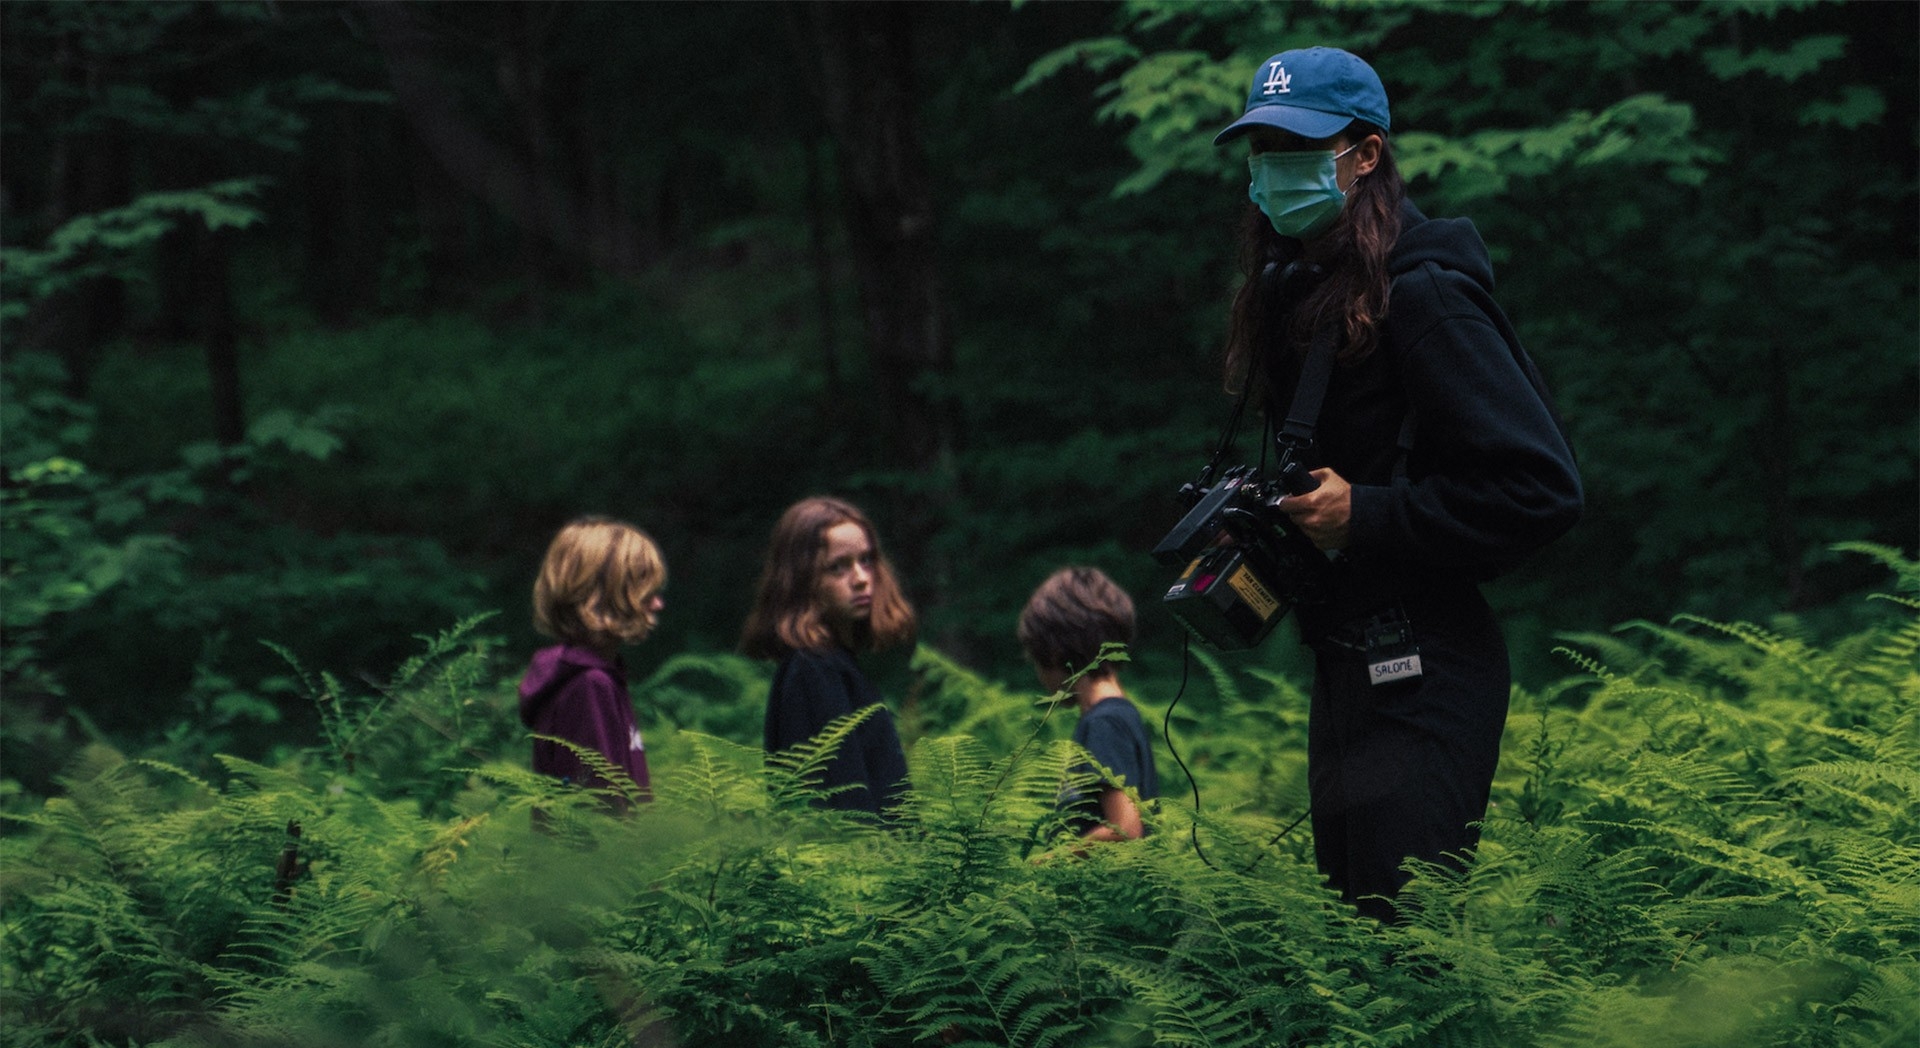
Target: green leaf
[296,432]
[1857,106]
[1790,65]
[1098,55]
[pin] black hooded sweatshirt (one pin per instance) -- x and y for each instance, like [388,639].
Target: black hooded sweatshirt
[1490,477]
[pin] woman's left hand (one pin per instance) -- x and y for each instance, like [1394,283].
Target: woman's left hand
[1323,513]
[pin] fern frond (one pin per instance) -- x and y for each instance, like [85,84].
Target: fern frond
[450,843]
[1770,874]
[251,775]
[316,922]
[794,773]
[1810,663]
[1857,782]
[437,646]
[1906,570]
[1190,1011]
[716,778]
[1694,776]
[1878,884]
[1600,655]
[1223,683]
[1896,655]
[1909,603]
[203,786]
[1886,1005]
[1587,664]
[962,702]
[948,773]
[960,793]
[619,786]
[1287,693]
[963,969]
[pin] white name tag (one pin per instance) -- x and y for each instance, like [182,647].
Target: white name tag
[1400,667]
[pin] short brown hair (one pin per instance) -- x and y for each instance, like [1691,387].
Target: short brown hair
[595,582]
[786,613]
[1071,615]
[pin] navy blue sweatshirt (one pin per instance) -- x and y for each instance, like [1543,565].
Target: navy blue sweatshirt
[811,688]
[1490,477]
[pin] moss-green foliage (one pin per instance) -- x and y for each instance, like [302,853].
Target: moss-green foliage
[1710,836]
[138,594]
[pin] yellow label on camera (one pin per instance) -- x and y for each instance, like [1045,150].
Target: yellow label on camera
[1250,590]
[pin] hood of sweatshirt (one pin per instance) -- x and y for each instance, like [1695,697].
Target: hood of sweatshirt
[551,669]
[1452,243]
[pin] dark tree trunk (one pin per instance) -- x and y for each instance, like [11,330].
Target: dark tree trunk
[220,331]
[518,179]
[1776,464]
[822,263]
[443,222]
[865,81]
[344,243]
[88,174]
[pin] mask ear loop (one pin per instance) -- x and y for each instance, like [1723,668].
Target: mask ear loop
[1356,177]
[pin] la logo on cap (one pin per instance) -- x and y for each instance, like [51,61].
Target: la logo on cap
[1339,88]
[1277,79]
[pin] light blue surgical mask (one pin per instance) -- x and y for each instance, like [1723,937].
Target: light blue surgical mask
[1298,192]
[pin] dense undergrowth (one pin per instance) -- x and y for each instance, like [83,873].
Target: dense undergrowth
[1709,836]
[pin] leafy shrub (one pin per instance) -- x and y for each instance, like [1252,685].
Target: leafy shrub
[126,587]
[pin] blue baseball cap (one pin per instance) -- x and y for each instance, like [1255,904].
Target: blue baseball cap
[1314,92]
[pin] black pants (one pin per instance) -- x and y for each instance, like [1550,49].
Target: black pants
[1402,769]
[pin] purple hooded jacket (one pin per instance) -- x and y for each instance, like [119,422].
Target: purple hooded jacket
[575,693]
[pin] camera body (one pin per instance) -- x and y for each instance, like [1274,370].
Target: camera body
[1246,563]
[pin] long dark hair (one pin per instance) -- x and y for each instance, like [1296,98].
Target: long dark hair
[786,614]
[1354,255]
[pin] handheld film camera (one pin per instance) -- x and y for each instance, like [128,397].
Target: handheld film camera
[1246,564]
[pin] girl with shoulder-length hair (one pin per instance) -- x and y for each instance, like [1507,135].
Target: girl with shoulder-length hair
[826,591]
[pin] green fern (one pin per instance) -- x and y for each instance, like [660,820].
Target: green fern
[965,973]
[794,774]
[714,779]
[1716,844]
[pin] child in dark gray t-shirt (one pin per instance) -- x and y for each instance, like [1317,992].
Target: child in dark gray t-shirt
[1062,628]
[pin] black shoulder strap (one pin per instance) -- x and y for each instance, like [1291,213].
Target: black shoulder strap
[1296,433]
[1283,288]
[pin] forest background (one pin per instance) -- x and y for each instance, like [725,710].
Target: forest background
[320,318]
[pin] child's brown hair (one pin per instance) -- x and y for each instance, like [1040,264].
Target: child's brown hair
[1071,615]
[787,615]
[596,583]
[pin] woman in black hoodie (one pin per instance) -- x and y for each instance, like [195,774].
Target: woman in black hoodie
[1439,458]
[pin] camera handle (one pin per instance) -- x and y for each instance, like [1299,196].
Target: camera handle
[1295,478]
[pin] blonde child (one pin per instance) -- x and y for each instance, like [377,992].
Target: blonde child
[599,589]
